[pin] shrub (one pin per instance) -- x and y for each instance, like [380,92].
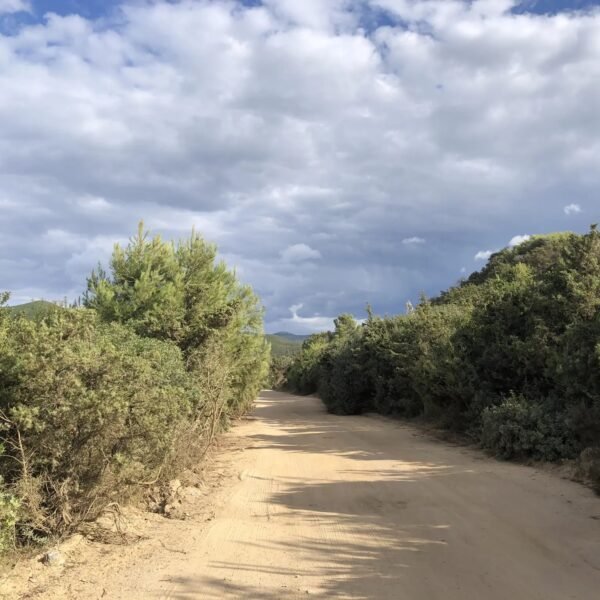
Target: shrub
[88,409]
[303,375]
[180,293]
[98,403]
[278,371]
[519,429]
[511,355]
[343,383]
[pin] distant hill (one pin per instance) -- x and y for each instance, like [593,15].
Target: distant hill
[35,309]
[292,337]
[285,344]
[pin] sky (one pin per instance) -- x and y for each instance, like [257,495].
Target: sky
[338,152]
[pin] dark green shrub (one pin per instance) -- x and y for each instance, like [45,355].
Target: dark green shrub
[518,429]
[303,376]
[343,382]
[387,366]
[527,326]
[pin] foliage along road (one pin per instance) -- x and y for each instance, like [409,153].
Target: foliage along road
[359,508]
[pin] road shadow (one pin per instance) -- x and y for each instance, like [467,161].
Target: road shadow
[371,544]
[399,518]
[302,424]
[368,552]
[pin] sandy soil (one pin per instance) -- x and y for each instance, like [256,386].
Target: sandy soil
[300,503]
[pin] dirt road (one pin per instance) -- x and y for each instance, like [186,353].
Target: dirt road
[365,507]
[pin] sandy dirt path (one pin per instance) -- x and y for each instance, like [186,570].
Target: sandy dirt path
[360,507]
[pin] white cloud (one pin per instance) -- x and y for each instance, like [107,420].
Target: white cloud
[518,239]
[411,241]
[14,6]
[515,241]
[93,203]
[299,324]
[572,209]
[295,121]
[299,253]
[484,254]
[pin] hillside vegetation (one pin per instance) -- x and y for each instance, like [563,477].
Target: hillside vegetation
[511,356]
[281,345]
[291,337]
[38,309]
[284,348]
[98,403]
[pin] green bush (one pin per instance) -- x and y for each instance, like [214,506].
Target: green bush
[88,409]
[180,293]
[98,403]
[510,356]
[339,373]
[518,429]
[278,368]
[303,375]
[387,363]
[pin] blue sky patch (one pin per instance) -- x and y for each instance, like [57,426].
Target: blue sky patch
[370,18]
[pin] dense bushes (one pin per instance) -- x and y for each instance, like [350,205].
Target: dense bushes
[510,356]
[179,293]
[97,402]
[516,428]
[87,407]
[277,372]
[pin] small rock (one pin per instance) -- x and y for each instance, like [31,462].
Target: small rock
[53,558]
[174,486]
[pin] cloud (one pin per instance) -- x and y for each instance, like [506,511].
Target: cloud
[298,324]
[411,241]
[299,253]
[14,6]
[484,254]
[317,121]
[518,239]
[514,241]
[572,209]
[93,204]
